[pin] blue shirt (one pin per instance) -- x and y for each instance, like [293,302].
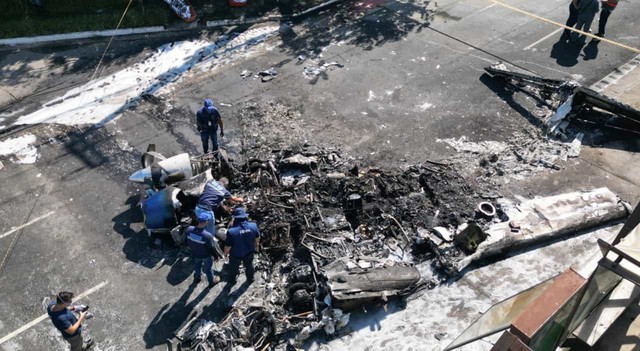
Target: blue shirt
[242,238]
[63,320]
[214,193]
[158,210]
[208,120]
[200,242]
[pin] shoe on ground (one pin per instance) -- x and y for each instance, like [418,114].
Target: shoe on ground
[215,281]
[600,35]
[87,345]
[196,280]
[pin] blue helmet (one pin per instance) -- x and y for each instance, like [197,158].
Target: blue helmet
[240,213]
[208,105]
[204,217]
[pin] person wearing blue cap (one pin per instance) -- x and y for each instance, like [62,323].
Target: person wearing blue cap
[213,194]
[243,240]
[202,246]
[207,121]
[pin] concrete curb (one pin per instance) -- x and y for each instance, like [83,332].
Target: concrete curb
[79,35]
[618,73]
[295,16]
[157,29]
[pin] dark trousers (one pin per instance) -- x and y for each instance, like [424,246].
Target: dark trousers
[205,135]
[584,24]
[234,266]
[572,20]
[604,17]
[78,342]
[207,264]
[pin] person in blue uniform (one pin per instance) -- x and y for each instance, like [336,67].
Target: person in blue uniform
[208,120]
[202,246]
[243,240]
[214,193]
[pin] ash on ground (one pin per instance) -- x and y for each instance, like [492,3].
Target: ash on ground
[336,237]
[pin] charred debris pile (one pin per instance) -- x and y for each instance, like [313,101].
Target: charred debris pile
[336,237]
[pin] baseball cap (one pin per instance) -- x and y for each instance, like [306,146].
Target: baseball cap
[208,104]
[204,216]
[240,212]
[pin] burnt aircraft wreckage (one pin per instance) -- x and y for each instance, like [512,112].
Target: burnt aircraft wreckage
[312,270]
[338,238]
[571,102]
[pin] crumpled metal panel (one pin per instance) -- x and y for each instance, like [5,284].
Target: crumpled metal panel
[352,285]
[549,217]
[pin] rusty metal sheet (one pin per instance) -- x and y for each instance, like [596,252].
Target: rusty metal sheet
[545,307]
[509,342]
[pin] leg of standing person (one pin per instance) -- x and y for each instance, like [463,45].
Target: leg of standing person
[204,136]
[584,24]
[604,17]
[75,342]
[248,267]
[587,25]
[233,269]
[214,140]
[197,269]
[571,21]
[208,269]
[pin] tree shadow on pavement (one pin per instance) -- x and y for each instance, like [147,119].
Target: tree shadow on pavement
[85,145]
[349,25]
[565,53]
[169,319]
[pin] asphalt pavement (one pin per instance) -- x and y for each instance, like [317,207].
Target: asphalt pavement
[412,73]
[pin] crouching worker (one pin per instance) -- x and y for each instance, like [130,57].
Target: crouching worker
[202,246]
[243,240]
[212,196]
[67,323]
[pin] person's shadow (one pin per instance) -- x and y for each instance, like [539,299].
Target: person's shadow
[223,303]
[591,50]
[169,319]
[565,52]
[181,269]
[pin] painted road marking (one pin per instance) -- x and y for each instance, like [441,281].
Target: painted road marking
[565,27]
[45,316]
[26,224]
[616,75]
[544,38]
[483,9]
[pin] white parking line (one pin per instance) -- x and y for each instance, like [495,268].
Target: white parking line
[544,38]
[483,9]
[26,224]
[45,316]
